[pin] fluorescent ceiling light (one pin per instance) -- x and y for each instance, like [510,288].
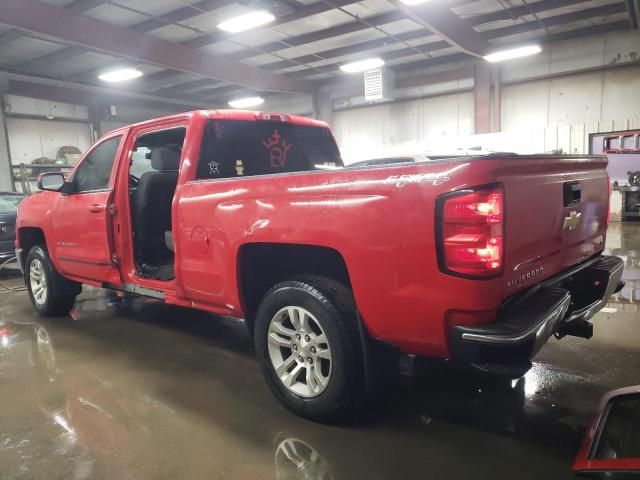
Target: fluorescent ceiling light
[246,22]
[362,65]
[513,53]
[120,75]
[246,102]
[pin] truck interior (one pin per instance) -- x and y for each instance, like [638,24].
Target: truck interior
[153,175]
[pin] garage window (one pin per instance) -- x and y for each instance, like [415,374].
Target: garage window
[237,148]
[95,170]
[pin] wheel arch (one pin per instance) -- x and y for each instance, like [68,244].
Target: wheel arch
[262,265]
[28,237]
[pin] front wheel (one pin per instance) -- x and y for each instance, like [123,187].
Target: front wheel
[51,294]
[308,348]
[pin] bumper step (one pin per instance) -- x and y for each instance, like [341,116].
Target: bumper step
[558,306]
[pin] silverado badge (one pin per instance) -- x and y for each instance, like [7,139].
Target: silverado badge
[571,221]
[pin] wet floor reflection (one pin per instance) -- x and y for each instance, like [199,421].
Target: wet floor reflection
[624,241]
[133,389]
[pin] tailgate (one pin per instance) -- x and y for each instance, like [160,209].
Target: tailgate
[556,215]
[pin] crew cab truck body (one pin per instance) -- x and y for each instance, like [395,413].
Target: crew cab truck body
[477,260]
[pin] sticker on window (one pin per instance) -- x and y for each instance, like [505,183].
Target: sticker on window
[214,168]
[277,149]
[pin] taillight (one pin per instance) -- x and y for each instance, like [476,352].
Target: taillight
[471,232]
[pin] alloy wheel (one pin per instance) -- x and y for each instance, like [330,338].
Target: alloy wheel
[299,351]
[38,281]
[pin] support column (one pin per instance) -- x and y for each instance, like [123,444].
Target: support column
[482,98]
[98,113]
[6,178]
[322,106]
[497,100]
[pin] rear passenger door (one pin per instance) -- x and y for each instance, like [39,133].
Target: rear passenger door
[81,220]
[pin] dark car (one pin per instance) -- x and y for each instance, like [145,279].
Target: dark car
[8,210]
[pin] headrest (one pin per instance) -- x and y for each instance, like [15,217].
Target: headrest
[165,159]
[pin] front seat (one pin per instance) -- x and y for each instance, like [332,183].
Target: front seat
[152,206]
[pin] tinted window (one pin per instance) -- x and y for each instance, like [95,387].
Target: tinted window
[9,203]
[236,148]
[95,170]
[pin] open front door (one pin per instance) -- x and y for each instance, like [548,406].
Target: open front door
[82,220]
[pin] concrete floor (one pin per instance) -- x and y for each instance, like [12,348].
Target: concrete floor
[157,392]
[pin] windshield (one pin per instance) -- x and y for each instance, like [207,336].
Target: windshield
[9,203]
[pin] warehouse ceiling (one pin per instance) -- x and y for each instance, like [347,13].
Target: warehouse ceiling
[185,56]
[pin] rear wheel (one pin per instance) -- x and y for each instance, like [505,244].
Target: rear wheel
[51,294]
[308,347]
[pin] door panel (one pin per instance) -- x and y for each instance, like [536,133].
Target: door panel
[83,241]
[81,220]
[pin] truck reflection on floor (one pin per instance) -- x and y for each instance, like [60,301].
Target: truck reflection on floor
[106,431]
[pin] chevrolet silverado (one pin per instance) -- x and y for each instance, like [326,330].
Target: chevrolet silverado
[477,260]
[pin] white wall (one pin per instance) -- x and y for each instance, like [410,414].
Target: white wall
[597,97]
[15,104]
[371,131]
[30,139]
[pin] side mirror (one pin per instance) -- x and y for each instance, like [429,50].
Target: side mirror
[52,181]
[611,444]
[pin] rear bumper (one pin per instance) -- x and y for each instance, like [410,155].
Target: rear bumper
[560,305]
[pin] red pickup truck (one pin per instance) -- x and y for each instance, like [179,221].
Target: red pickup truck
[253,215]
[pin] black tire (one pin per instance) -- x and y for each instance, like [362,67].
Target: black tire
[61,293]
[333,307]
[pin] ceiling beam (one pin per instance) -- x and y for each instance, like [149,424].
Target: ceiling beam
[449,26]
[525,10]
[69,92]
[9,36]
[77,6]
[315,36]
[183,88]
[348,50]
[71,27]
[633,8]
[183,13]
[584,32]
[145,26]
[545,39]
[558,20]
[81,6]
[386,56]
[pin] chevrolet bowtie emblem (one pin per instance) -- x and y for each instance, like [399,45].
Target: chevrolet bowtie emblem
[571,222]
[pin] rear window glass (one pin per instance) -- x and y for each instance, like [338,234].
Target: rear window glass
[237,148]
